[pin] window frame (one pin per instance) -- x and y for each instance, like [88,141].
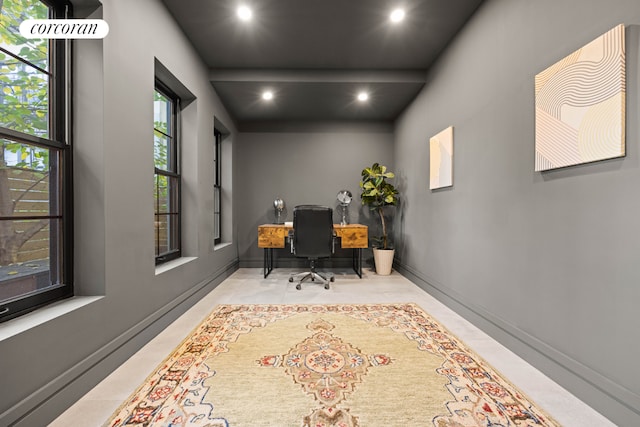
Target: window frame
[217,187]
[172,163]
[59,142]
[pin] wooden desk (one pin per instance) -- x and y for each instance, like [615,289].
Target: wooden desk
[352,236]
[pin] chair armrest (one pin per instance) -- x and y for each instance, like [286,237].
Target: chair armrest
[333,242]
[291,240]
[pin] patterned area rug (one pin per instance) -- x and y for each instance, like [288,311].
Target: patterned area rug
[325,365]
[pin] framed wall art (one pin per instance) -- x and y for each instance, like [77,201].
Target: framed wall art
[441,159]
[580,105]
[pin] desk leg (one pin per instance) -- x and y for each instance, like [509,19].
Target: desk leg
[268,261]
[357,261]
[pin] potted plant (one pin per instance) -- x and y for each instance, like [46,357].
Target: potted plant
[377,193]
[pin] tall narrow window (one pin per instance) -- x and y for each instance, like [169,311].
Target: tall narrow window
[35,162]
[217,187]
[167,174]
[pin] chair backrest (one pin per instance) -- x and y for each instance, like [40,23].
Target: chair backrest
[312,231]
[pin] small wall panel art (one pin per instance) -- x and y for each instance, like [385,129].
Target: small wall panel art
[441,159]
[580,105]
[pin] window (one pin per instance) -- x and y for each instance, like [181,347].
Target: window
[217,187]
[35,162]
[167,174]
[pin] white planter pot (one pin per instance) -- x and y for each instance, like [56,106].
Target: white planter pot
[384,260]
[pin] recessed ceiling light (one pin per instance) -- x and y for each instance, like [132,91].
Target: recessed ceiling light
[267,95]
[363,96]
[244,13]
[397,15]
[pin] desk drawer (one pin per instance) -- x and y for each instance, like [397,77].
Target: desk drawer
[353,237]
[272,237]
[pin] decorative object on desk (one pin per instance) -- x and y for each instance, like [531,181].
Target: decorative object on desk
[377,193]
[344,197]
[441,159]
[580,105]
[279,206]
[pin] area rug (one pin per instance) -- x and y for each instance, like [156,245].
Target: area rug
[341,365]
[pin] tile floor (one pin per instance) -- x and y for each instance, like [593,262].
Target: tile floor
[248,286]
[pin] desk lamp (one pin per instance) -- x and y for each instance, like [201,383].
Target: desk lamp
[344,197]
[278,205]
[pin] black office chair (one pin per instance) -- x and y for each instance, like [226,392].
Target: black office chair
[312,237]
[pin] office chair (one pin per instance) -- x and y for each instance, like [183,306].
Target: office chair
[312,237]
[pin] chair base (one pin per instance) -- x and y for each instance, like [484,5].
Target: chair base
[322,279]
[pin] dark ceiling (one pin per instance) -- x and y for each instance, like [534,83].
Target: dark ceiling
[316,55]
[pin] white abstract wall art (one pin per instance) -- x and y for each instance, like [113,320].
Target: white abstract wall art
[580,105]
[441,159]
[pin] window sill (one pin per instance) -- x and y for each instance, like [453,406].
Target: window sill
[221,246]
[43,315]
[170,265]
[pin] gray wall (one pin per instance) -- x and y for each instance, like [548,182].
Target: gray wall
[303,164]
[54,355]
[545,262]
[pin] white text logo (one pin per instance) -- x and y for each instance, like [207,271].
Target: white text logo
[64,28]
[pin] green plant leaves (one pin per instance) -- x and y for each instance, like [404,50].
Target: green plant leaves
[377,193]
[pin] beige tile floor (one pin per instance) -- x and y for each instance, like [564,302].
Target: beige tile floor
[248,286]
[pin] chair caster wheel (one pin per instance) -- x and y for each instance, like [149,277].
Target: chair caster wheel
[313,279]
[290,279]
[333,279]
[298,287]
[326,286]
